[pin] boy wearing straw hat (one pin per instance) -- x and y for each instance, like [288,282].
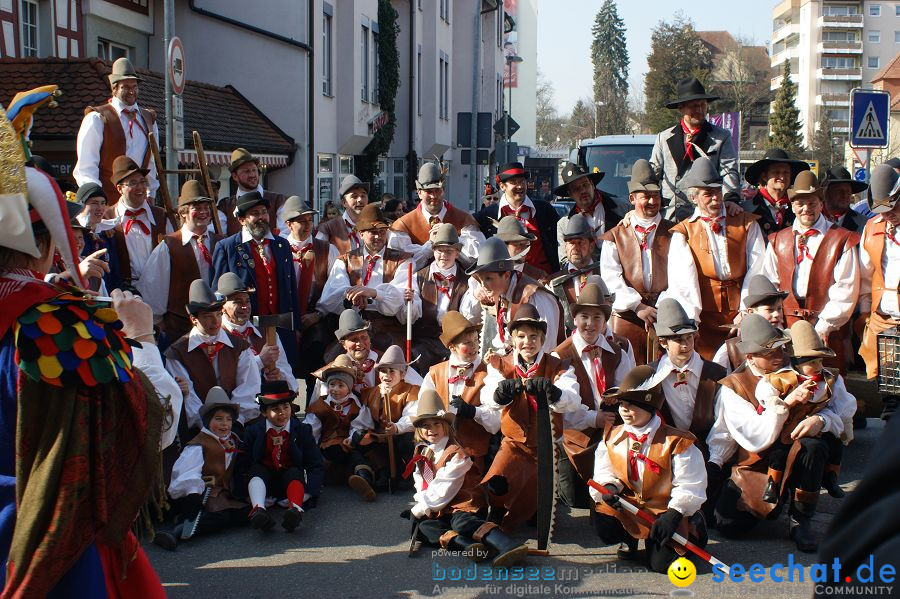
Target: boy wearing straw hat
[448,495]
[511,387]
[207,462]
[279,459]
[652,465]
[816,263]
[600,360]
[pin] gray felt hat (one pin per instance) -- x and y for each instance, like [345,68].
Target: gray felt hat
[672,320]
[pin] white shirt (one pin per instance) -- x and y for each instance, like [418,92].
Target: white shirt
[248,381]
[487,418]
[890,268]
[369,380]
[611,266]
[470,237]
[139,244]
[187,474]
[752,431]
[842,290]
[584,417]
[688,471]
[279,223]
[596,220]
[364,421]
[281,364]
[545,302]
[566,382]
[90,138]
[443,300]
[297,245]
[354,237]
[316,425]
[147,359]
[446,484]
[154,286]
[839,409]
[721,358]
[389,294]
[682,270]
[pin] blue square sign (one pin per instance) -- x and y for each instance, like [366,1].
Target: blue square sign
[869,114]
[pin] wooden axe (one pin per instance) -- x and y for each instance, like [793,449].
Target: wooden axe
[268,324]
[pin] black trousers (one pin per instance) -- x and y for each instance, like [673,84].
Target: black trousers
[186,510]
[277,481]
[351,459]
[571,488]
[378,455]
[465,523]
[835,449]
[611,531]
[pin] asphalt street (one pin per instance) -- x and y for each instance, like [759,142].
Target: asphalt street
[348,548]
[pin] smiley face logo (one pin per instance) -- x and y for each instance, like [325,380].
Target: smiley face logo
[682,572]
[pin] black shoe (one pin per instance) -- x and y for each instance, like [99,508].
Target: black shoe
[803,535]
[261,520]
[627,550]
[472,549]
[830,484]
[165,539]
[508,551]
[770,494]
[361,482]
[291,519]
[890,406]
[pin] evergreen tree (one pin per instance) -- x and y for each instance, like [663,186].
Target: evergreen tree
[609,55]
[824,149]
[784,122]
[676,52]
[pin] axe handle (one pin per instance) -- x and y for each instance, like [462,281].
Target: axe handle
[270,335]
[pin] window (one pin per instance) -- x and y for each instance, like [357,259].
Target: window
[346,165]
[838,36]
[840,116]
[874,37]
[839,62]
[444,87]
[28,15]
[419,81]
[445,10]
[399,177]
[112,51]
[364,62]
[897,37]
[897,10]
[374,65]
[839,11]
[874,10]
[326,52]
[874,62]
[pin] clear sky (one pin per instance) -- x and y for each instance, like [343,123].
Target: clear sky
[564,35]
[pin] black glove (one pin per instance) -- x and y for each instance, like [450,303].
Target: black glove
[355,437]
[406,514]
[665,526]
[554,393]
[191,505]
[507,391]
[463,410]
[498,485]
[612,498]
[715,476]
[310,503]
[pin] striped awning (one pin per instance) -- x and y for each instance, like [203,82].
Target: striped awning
[224,158]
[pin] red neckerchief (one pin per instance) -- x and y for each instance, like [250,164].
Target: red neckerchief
[780,206]
[816,378]
[204,251]
[525,219]
[688,138]
[133,219]
[590,211]
[713,222]
[680,377]
[644,233]
[803,244]
[597,369]
[424,456]
[131,114]
[439,279]
[279,440]
[889,233]
[370,266]
[298,253]
[634,455]
[228,444]
[461,370]
[212,349]
[525,375]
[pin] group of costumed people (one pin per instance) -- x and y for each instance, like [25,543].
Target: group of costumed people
[684,358]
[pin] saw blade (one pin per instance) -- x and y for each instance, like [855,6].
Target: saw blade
[189,529]
[488,331]
[547,474]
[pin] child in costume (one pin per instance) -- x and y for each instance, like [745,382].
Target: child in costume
[278,456]
[511,387]
[653,466]
[831,405]
[763,298]
[448,494]
[202,478]
[330,418]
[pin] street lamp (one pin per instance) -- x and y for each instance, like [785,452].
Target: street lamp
[513,58]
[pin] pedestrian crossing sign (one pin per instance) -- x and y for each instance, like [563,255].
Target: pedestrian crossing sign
[869,115]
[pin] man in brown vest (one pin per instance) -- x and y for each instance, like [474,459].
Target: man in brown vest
[245,173]
[138,225]
[343,232]
[271,360]
[117,128]
[714,255]
[600,359]
[879,301]
[633,261]
[576,267]
[414,232]
[437,289]
[816,263]
[182,257]
[373,279]
[208,356]
[755,425]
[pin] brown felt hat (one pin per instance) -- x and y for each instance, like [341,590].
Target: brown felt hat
[453,325]
[193,192]
[806,183]
[123,167]
[637,388]
[370,218]
[594,295]
[430,405]
[342,367]
[806,343]
[527,315]
[241,156]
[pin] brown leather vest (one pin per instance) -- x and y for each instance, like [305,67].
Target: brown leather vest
[873,244]
[203,376]
[428,325]
[337,233]
[470,498]
[735,356]
[113,145]
[157,235]
[413,223]
[704,414]
[835,242]
[525,288]
[183,270]
[471,435]
[233,225]
[518,422]
[721,297]
[629,251]
[354,263]
[784,383]
[214,465]
[401,395]
[320,270]
[335,428]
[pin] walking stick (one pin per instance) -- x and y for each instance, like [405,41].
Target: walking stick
[409,315]
[650,519]
[390,443]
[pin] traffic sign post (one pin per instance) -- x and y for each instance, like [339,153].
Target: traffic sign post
[869,118]
[176,76]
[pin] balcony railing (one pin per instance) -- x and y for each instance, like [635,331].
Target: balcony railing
[833,99]
[843,74]
[841,21]
[841,47]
